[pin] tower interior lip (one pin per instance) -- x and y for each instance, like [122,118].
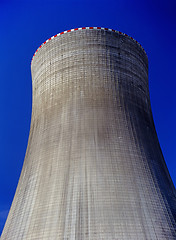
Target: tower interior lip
[81,28]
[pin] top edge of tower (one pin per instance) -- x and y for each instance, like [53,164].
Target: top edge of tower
[82,28]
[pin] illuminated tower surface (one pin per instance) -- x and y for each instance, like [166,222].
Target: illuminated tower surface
[93,168]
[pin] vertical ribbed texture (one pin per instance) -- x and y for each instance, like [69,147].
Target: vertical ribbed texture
[93,169]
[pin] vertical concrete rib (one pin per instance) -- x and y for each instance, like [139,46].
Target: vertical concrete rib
[93,167]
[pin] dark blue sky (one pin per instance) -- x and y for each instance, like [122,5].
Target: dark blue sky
[25,24]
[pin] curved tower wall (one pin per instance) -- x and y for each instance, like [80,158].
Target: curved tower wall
[93,167]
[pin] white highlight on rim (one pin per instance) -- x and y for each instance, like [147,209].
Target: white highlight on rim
[85,28]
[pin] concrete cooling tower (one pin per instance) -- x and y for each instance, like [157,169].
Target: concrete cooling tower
[93,168]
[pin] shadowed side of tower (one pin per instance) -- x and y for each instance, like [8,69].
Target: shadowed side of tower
[93,167]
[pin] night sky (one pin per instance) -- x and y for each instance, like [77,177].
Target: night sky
[26,24]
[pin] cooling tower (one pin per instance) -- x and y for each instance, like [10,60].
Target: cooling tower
[93,168]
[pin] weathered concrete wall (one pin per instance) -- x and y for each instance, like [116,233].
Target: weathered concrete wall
[93,167]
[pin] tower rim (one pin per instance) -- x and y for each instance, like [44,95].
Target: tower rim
[87,28]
